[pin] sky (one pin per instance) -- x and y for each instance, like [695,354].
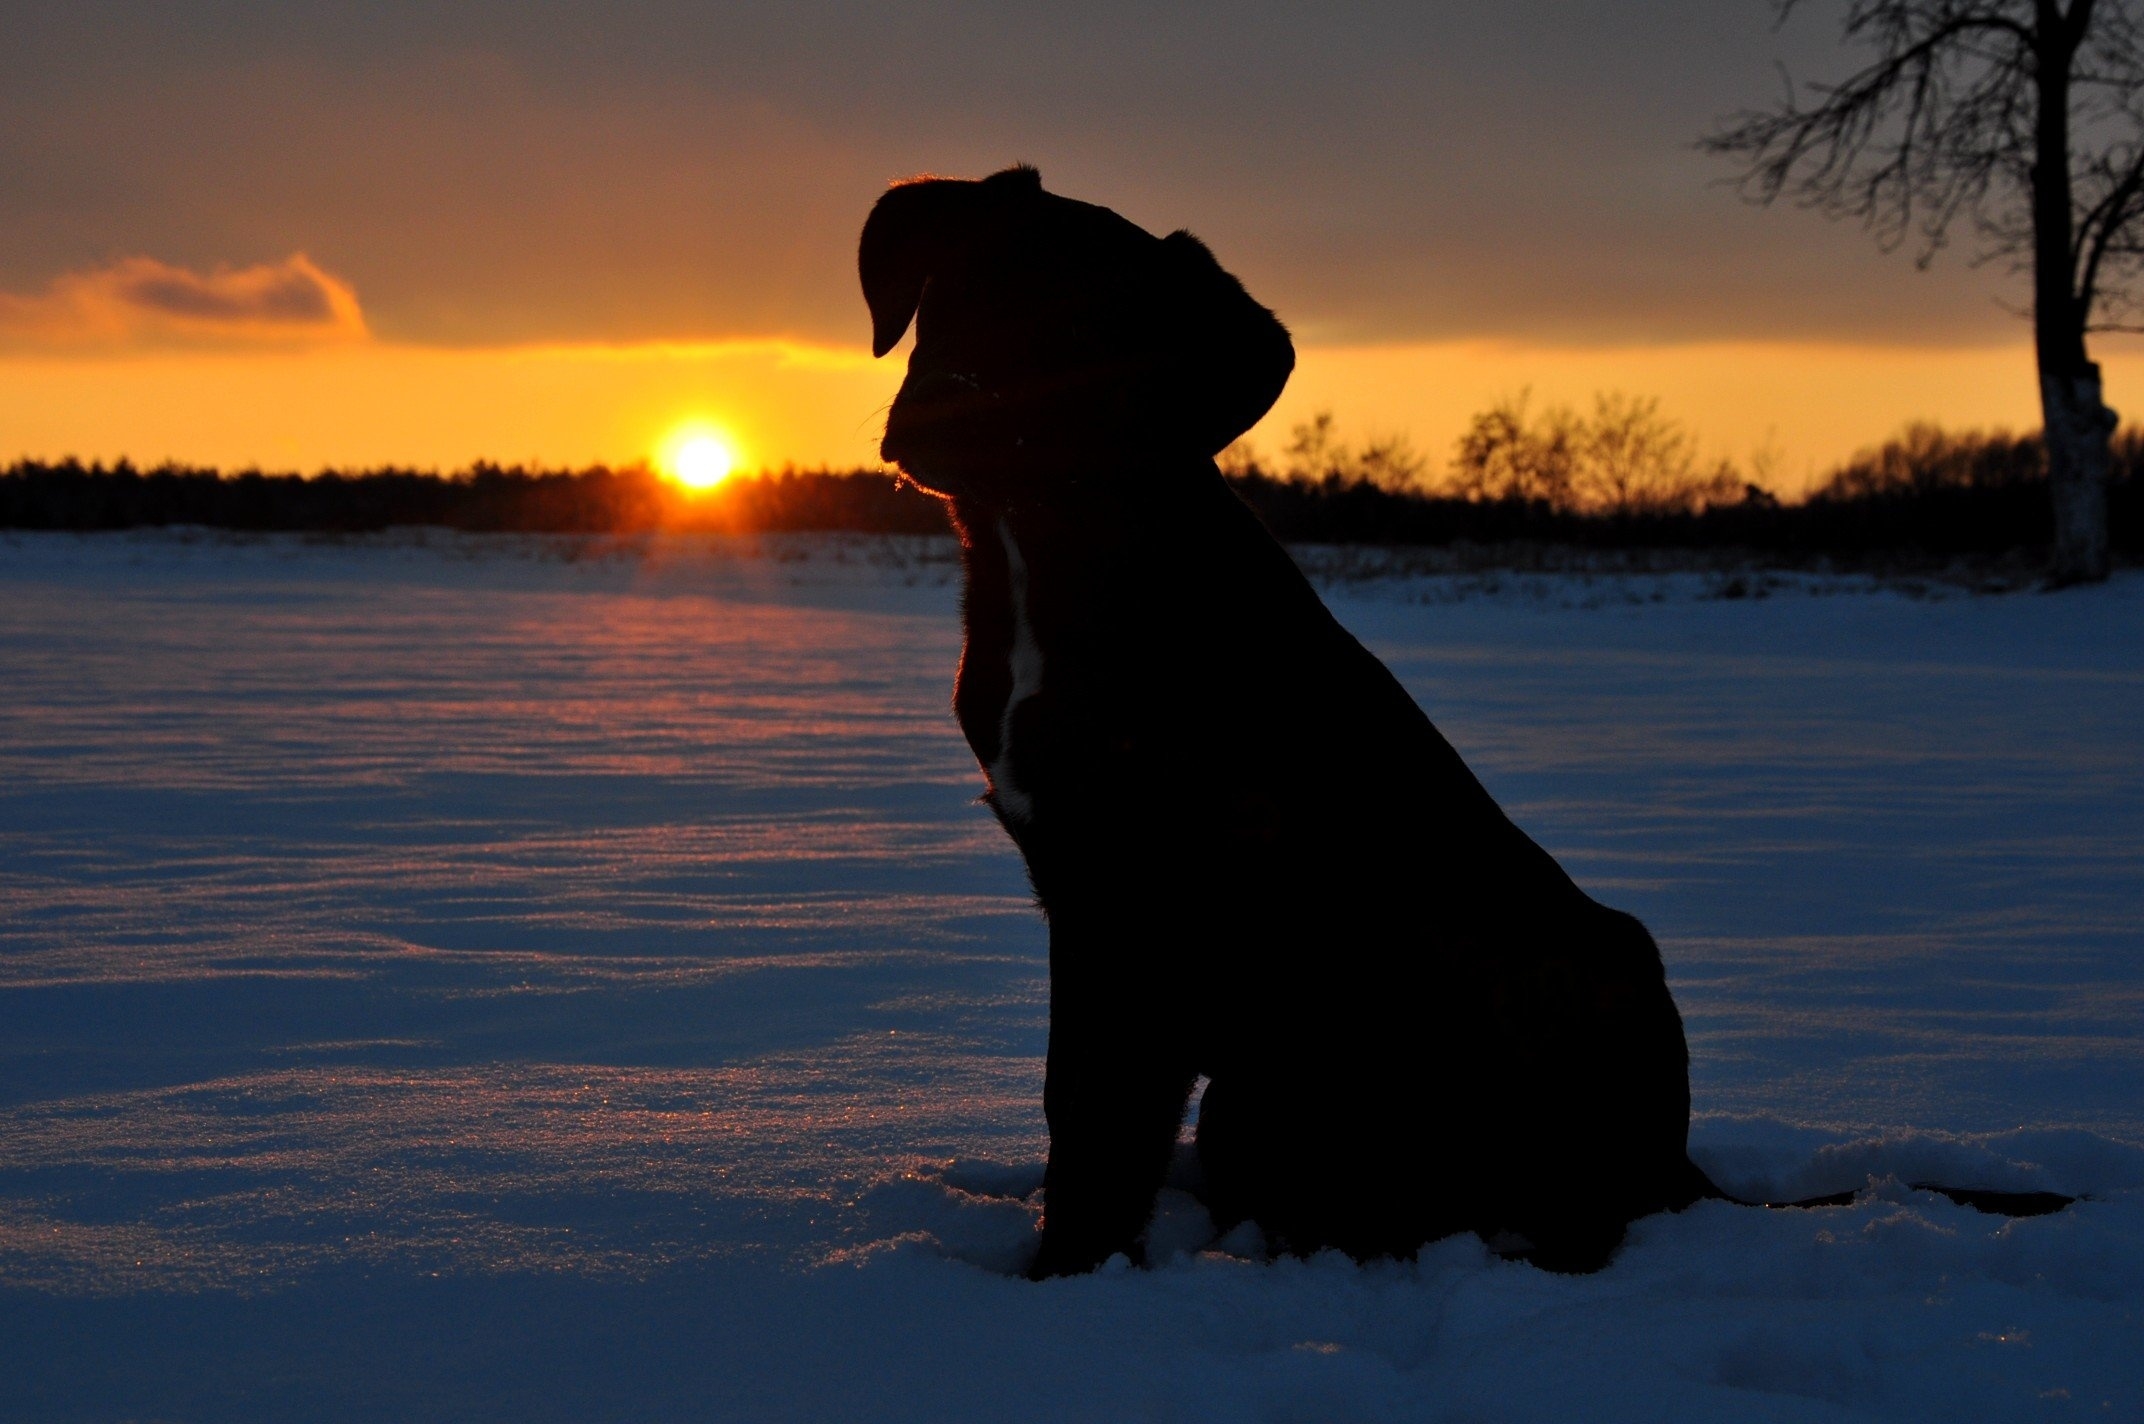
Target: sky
[345,234]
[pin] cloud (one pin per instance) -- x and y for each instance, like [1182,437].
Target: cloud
[139,301]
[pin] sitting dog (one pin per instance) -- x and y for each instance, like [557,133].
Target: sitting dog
[1259,860]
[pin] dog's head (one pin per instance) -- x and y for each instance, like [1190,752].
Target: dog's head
[1055,338]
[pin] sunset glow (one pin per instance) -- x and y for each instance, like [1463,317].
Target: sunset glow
[699,457]
[364,403]
[1428,260]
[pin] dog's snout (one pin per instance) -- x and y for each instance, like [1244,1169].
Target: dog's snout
[939,387]
[931,403]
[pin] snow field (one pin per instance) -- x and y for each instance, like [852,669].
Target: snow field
[448,979]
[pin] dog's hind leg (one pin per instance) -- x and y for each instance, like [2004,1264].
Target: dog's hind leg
[1323,1159]
[1590,1133]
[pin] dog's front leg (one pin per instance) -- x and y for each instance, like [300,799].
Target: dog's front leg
[1114,1097]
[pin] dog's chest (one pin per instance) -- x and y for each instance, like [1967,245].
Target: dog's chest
[1002,673]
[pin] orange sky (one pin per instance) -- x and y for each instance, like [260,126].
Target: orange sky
[362,402]
[350,234]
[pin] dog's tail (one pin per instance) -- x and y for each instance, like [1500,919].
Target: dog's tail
[1996,1203]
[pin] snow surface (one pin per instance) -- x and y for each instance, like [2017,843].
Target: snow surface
[449,978]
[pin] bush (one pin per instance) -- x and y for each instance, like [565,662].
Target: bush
[1625,459]
[1923,458]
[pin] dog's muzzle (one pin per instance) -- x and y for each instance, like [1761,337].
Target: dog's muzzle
[938,414]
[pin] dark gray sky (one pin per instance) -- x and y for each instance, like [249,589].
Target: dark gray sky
[540,170]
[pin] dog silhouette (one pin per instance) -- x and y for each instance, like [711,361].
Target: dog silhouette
[1258,859]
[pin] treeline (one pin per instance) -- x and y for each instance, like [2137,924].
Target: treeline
[1927,491]
[1518,478]
[483,499]
[1624,476]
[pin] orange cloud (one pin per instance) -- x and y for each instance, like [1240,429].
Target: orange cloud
[139,301]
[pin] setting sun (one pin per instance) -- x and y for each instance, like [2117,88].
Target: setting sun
[698,457]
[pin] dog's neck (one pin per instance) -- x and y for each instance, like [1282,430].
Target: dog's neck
[1048,568]
[1104,504]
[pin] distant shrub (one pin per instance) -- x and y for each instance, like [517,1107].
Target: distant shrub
[1626,458]
[1924,458]
[1973,491]
[1510,453]
[1316,455]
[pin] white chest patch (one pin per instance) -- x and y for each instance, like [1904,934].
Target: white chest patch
[1026,682]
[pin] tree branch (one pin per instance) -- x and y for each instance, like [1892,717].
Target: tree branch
[2101,225]
[1833,154]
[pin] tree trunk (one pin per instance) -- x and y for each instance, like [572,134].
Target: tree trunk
[2078,428]
[2078,423]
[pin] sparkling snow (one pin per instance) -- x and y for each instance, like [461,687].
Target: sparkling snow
[449,978]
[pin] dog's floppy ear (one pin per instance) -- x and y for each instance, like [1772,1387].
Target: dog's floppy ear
[1239,356]
[914,230]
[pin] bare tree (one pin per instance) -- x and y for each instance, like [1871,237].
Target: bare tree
[1626,459]
[2020,120]
[1508,453]
[1317,455]
[1637,461]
